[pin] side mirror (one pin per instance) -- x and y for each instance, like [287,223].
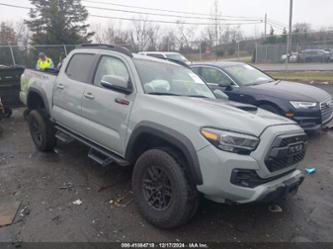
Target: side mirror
[224,84]
[220,95]
[116,83]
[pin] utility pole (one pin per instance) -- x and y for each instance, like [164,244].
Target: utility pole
[289,40]
[265,26]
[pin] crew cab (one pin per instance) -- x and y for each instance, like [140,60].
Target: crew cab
[161,119]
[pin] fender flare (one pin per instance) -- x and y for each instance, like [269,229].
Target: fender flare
[42,95]
[174,138]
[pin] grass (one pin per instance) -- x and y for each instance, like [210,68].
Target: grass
[306,76]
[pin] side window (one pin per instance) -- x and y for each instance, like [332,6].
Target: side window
[110,66]
[80,66]
[212,75]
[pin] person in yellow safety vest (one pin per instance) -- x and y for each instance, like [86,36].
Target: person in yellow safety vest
[44,62]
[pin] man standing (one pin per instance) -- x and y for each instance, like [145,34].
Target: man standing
[44,62]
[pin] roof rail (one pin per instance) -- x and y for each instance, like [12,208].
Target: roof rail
[112,47]
[177,62]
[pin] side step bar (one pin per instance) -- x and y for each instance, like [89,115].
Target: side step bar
[100,157]
[96,152]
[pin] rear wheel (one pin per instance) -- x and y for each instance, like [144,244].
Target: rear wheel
[163,194]
[41,130]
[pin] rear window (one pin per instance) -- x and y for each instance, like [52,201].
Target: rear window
[80,67]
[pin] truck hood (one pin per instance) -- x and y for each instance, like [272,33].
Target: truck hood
[217,113]
[291,91]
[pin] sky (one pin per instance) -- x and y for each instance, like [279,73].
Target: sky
[316,12]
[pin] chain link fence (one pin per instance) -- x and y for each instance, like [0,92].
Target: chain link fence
[301,52]
[250,51]
[27,55]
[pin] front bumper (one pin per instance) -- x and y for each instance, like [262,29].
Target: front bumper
[217,168]
[316,118]
[283,190]
[312,123]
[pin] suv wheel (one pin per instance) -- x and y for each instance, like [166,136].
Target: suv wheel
[41,130]
[163,194]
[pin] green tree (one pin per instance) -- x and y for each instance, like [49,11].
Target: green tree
[272,37]
[284,36]
[58,22]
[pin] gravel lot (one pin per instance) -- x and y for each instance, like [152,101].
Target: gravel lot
[47,184]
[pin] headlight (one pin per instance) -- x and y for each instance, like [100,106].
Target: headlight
[231,141]
[304,105]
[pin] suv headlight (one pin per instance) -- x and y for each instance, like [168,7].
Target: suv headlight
[231,141]
[303,105]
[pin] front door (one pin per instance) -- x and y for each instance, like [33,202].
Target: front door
[107,111]
[217,79]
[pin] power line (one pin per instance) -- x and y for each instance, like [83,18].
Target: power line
[15,6]
[163,10]
[277,22]
[140,19]
[170,15]
[170,22]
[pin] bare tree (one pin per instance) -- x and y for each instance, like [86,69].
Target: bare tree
[144,35]
[113,33]
[22,33]
[168,41]
[7,34]
[185,35]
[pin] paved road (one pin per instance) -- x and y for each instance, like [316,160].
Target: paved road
[297,67]
[47,184]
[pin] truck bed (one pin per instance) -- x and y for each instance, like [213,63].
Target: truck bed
[37,79]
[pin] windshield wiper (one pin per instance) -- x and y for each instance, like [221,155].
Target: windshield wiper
[196,96]
[161,93]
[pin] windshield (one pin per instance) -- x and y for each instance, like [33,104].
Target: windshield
[178,57]
[247,75]
[169,79]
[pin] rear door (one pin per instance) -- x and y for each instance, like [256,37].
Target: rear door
[69,88]
[106,111]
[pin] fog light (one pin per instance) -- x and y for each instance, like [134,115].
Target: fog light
[245,178]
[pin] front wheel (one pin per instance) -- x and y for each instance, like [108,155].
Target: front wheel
[163,194]
[41,130]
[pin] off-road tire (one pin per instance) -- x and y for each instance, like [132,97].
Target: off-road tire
[184,199]
[42,131]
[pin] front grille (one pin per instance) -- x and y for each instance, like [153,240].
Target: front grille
[286,151]
[326,109]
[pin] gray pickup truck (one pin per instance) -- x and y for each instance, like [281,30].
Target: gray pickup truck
[161,119]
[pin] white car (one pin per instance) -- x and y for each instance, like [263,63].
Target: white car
[293,57]
[167,55]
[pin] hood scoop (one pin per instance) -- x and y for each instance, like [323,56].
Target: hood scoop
[244,107]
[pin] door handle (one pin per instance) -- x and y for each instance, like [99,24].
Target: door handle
[89,95]
[122,101]
[60,86]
